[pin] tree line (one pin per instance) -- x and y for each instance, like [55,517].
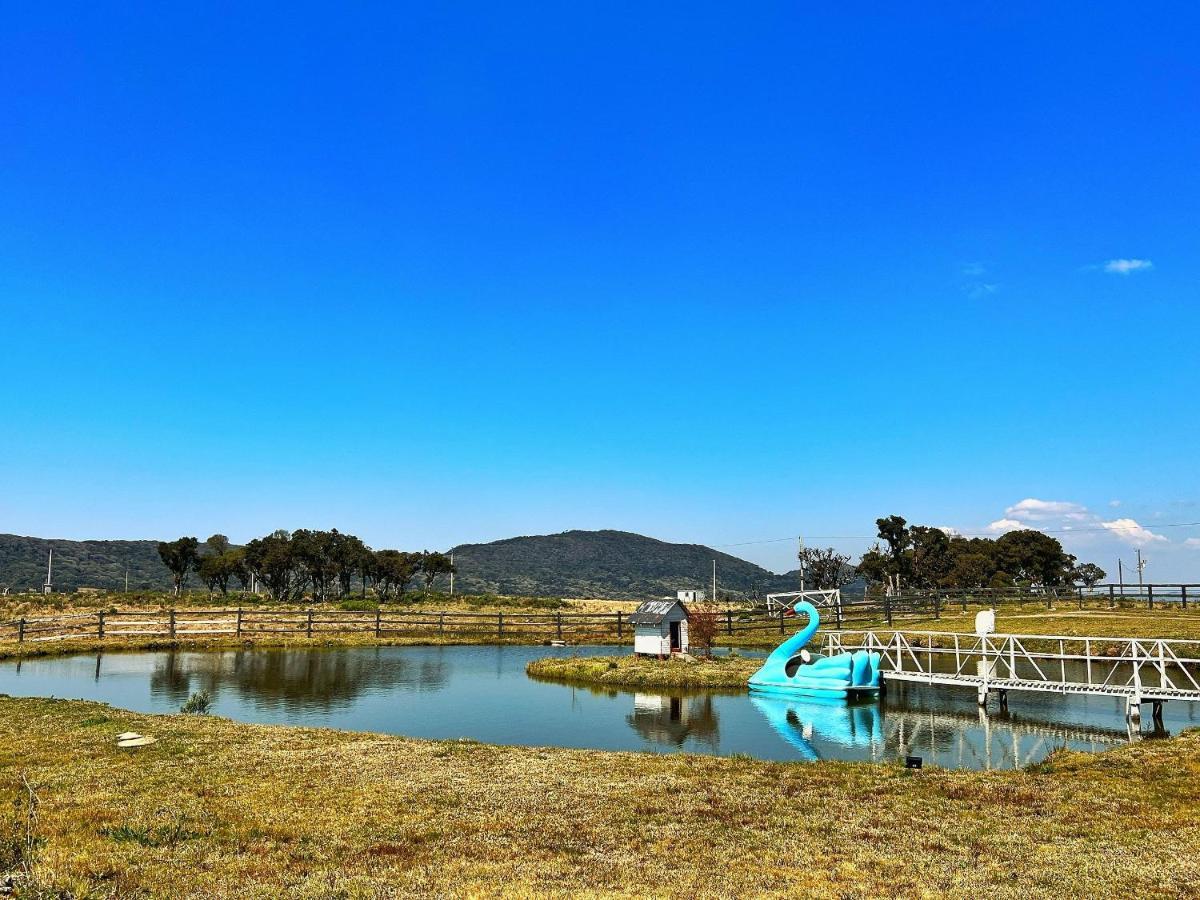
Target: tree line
[923,557]
[290,565]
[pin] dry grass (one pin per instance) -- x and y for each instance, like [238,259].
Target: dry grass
[730,672]
[218,809]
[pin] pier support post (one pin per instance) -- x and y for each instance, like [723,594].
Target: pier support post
[1133,709]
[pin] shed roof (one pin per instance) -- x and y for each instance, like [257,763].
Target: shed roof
[652,612]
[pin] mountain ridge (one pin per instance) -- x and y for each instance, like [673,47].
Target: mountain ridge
[605,563]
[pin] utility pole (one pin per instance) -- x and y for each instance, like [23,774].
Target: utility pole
[451,574]
[48,587]
[1121,575]
[1141,564]
[800,556]
[714,585]
[127,579]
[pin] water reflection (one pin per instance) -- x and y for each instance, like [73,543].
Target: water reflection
[303,681]
[803,721]
[676,721]
[483,693]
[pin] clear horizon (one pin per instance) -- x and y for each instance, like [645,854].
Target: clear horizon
[448,275]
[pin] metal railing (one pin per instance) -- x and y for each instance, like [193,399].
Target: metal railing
[1135,668]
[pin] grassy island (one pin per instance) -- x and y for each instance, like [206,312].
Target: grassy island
[218,809]
[731,672]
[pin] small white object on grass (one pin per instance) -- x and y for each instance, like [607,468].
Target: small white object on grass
[132,739]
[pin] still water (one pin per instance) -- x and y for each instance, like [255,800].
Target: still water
[483,693]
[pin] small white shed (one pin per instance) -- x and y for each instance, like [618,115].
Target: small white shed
[660,628]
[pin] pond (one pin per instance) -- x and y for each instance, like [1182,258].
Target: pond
[483,693]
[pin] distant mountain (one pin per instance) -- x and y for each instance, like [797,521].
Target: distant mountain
[99,564]
[611,564]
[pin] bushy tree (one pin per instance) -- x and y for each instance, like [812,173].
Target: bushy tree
[272,559]
[394,570]
[1089,574]
[826,569]
[180,557]
[703,625]
[433,565]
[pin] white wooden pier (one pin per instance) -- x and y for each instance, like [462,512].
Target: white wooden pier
[1140,670]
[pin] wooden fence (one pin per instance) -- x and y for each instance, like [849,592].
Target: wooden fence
[543,627]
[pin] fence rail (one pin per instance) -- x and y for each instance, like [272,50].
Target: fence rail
[556,624]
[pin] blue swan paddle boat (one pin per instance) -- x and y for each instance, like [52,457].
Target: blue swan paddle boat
[792,670]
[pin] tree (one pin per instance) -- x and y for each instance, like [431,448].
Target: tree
[826,569]
[179,556]
[1089,573]
[1034,557]
[893,531]
[314,552]
[215,570]
[348,554]
[393,570]
[873,565]
[931,560]
[218,544]
[969,570]
[703,624]
[433,565]
[272,560]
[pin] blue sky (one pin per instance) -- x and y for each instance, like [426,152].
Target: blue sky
[437,273]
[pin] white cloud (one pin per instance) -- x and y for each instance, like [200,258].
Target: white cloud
[1002,525]
[1114,503]
[973,270]
[979,291]
[948,531]
[1192,542]
[1131,532]
[1126,266]
[1043,510]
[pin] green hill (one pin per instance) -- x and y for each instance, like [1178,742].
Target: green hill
[98,564]
[615,564]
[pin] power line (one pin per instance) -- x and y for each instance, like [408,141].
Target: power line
[1098,529]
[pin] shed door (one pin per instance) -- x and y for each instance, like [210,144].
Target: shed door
[676,644]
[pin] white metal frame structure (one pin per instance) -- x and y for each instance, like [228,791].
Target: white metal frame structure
[777,603]
[1137,669]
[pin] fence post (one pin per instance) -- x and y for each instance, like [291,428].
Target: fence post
[442,622]
[500,624]
[838,610]
[887,609]
[238,631]
[308,626]
[729,621]
[1183,594]
[172,623]
[781,621]
[1081,596]
[620,624]
[1150,594]
[558,622]
[378,621]
[20,631]
[1111,599]
[100,624]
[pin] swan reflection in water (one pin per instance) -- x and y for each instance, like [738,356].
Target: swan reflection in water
[799,720]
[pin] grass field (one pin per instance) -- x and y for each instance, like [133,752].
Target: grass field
[729,672]
[217,809]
